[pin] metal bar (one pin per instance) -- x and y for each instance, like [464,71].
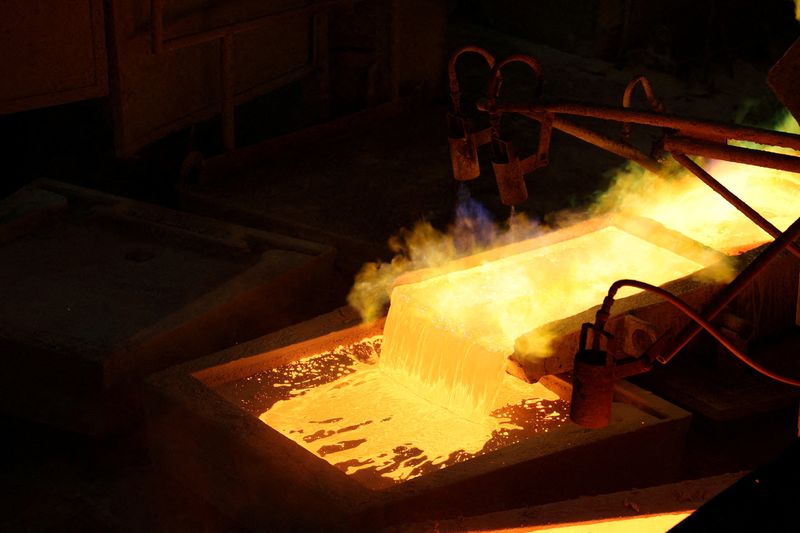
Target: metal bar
[598,139]
[697,128]
[157,26]
[737,154]
[227,86]
[701,323]
[193,39]
[731,198]
[785,240]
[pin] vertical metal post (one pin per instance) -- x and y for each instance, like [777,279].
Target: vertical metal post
[227,85]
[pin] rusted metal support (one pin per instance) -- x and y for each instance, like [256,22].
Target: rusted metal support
[461,138]
[691,127]
[784,241]
[606,143]
[227,83]
[509,171]
[736,154]
[731,198]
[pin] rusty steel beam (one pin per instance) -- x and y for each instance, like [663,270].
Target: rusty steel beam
[731,198]
[721,301]
[607,143]
[736,154]
[696,128]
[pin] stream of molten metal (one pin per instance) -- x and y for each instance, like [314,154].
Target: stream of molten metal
[447,337]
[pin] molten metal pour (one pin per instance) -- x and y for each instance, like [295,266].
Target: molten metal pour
[594,369]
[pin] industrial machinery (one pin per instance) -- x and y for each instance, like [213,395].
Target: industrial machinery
[596,369]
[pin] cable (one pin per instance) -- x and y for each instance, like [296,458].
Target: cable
[604,312]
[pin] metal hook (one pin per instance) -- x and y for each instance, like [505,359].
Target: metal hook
[455,92]
[654,102]
[508,169]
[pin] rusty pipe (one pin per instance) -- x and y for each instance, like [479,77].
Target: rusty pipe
[607,143]
[649,94]
[508,169]
[730,292]
[736,154]
[452,76]
[700,322]
[695,128]
[732,199]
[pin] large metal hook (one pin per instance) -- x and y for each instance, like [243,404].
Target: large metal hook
[463,141]
[654,102]
[509,171]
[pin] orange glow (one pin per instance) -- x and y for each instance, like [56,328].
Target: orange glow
[381,433]
[448,337]
[439,394]
[654,523]
[687,205]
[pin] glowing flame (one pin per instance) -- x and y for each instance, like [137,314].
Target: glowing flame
[448,337]
[478,313]
[424,247]
[683,203]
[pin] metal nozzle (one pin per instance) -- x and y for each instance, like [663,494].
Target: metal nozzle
[508,173]
[463,151]
[592,389]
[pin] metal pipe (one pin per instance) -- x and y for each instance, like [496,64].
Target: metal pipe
[731,198]
[734,288]
[699,128]
[736,154]
[598,139]
[700,322]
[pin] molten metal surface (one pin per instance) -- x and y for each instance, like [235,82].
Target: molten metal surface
[440,395]
[447,338]
[340,406]
[654,523]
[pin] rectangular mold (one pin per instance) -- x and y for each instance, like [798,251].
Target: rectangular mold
[106,290]
[203,435]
